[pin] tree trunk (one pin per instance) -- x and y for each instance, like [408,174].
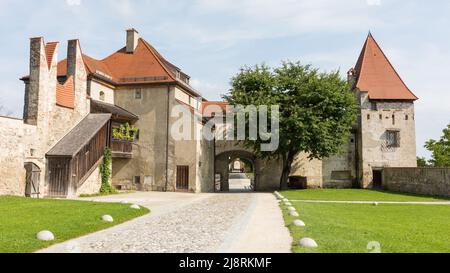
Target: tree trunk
[287,167]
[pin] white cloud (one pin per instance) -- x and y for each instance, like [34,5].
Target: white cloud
[209,90]
[73,2]
[374,2]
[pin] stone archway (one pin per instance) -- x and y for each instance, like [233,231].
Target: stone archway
[222,166]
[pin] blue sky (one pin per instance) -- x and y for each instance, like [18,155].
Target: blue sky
[212,39]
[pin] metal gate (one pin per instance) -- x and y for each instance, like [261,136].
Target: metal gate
[182,178]
[33,174]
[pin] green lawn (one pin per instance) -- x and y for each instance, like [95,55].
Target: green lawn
[349,228]
[356,195]
[22,218]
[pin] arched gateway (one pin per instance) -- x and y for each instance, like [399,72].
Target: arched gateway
[266,173]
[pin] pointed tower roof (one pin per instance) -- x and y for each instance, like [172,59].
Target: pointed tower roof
[376,75]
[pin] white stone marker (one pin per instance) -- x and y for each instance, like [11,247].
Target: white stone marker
[288,204]
[285,200]
[291,209]
[293,214]
[124,202]
[375,204]
[308,242]
[107,218]
[135,207]
[45,235]
[299,223]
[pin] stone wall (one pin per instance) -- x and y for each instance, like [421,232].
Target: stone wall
[339,171]
[311,169]
[428,181]
[374,154]
[12,153]
[92,184]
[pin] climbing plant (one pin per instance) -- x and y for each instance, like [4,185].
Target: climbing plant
[105,171]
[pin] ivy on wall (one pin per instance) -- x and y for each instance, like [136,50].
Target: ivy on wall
[105,171]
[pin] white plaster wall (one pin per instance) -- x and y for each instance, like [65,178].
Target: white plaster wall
[96,88]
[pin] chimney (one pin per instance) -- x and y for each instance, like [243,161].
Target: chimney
[76,69]
[351,77]
[73,55]
[132,40]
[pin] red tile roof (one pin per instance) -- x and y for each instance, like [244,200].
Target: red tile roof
[144,65]
[208,111]
[376,75]
[50,49]
[137,66]
[65,94]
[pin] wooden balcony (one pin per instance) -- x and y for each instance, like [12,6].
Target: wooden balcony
[121,149]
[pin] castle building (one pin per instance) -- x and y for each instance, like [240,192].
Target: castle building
[77,107]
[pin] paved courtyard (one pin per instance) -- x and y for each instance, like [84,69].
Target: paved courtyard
[191,223]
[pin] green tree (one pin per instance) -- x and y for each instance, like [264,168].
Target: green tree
[422,162]
[317,110]
[440,149]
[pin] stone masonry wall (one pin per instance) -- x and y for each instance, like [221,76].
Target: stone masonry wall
[428,181]
[373,149]
[12,171]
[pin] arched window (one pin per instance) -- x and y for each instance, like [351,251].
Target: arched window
[102,96]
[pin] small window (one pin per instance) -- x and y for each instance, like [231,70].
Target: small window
[373,106]
[406,117]
[138,94]
[368,117]
[381,116]
[393,139]
[102,96]
[137,180]
[393,119]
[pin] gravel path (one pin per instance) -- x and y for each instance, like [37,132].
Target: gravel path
[185,223]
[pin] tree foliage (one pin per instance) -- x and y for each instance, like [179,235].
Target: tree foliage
[317,110]
[440,149]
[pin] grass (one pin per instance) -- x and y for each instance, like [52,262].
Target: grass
[22,218]
[349,228]
[357,195]
[105,194]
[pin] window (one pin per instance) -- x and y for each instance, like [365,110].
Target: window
[182,178]
[393,139]
[368,117]
[102,96]
[137,180]
[381,116]
[373,106]
[138,94]
[406,117]
[393,119]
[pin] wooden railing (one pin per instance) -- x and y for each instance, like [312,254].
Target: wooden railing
[121,147]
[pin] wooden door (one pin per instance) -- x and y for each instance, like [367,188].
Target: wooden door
[377,179]
[59,177]
[182,178]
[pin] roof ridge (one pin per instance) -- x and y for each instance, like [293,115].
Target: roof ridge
[377,75]
[149,47]
[393,68]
